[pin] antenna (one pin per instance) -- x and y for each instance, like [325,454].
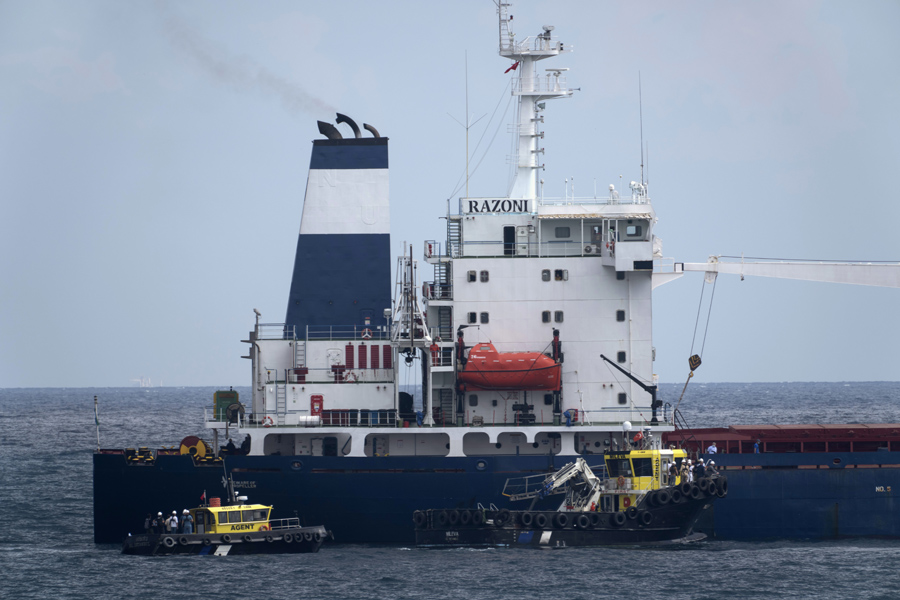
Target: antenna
[641,113]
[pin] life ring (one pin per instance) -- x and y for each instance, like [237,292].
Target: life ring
[366,334]
[626,501]
[268,422]
[264,528]
[352,377]
[621,481]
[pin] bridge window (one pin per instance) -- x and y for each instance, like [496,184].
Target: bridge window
[618,467]
[643,467]
[633,231]
[254,515]
[563,232]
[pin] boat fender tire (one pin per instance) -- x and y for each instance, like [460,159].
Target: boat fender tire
[183,541]
[540,520]
[419,518]
[477,518]
[307,536]
[651,499]
[288,538]
[703,484]
[646,517]
[583,522]
[618,519]
[443,517]
[247,538]
[527,519]
[270,539]
[632,512]
[169,542]
[207,541]
[226,539]
[595,519]
[686,488]
[465,517]
[722,485]
[677,496]
[317,537]
[663,497]
[501,518]
[561,520]
[454,517]
[696,492]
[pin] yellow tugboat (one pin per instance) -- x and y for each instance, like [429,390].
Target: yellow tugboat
[235,528]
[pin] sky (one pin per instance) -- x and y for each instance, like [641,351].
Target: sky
[153,161]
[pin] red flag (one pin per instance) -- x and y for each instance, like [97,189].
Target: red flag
[513,67]
[203,497]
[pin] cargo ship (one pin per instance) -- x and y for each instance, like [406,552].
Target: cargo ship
[532,343]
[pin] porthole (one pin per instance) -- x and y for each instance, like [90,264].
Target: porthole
[481,465]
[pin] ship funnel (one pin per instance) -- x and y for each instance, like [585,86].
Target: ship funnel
[345,119]
[329,131]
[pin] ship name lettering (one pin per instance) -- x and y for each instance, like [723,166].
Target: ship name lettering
[501,205]
[245,484]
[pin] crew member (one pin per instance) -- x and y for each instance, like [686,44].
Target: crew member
[187,522]
[712,449]
[711,469]
[245,445]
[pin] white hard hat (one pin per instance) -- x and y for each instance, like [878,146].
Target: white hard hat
[186,511]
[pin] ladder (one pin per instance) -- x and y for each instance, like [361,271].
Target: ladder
[445,323]
[299,353]
[454,236]
[445,403]
[280,401]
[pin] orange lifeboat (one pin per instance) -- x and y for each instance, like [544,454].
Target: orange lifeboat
[488,369]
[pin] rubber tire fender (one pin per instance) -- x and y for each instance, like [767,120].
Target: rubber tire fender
[465,517]
[168,542]
[247,538]
[686,488]
[226,539]
[596,519]
[663,497]
[443,518]
[317,537]
[632,512]
[477,518]
[703,484]
[419,518]
[646,517]
[540,520]
[308,536]
[618,519]
[561,520]
[270,539]
[583,522]
[527,519]
[696,492]
[501,518]
[183,540]
[677,496]
[453,518]
[288,538]
[722,485]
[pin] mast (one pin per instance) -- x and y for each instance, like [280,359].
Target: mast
[532,89]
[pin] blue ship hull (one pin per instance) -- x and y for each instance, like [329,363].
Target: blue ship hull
[371,500]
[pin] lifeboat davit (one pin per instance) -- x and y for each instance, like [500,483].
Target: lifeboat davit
[487,369]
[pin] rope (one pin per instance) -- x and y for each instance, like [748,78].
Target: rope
[708,314]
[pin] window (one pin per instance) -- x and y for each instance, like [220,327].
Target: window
[471,276]
[484,317]
[563,232]
[619,467]
[473,318]
[548,399]
[545,316]
[633,231]
[623,398]
[643,467]
[473,400]
[558,316]
[620,315]
[254,515]
[561,274]
[545,275]
[620,357]
[484,277]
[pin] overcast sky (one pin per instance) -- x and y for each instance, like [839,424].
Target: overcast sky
[153,159]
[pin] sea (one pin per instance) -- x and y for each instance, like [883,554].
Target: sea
[47,437]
